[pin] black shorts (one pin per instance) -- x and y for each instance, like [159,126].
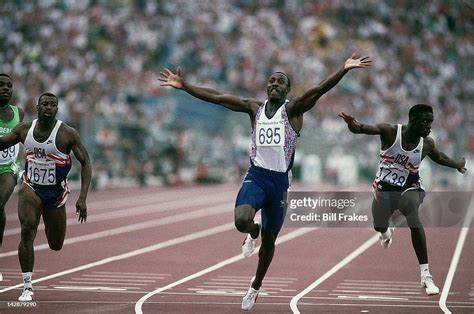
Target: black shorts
[387,199]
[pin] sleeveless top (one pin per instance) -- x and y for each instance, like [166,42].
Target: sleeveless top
[9,155]
[397,166]
[45,164]
[273,140]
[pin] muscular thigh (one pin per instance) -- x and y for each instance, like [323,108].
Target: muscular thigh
[409,204]
[410,201]
[7,184]
[55,223]
[382,210]
[29,205]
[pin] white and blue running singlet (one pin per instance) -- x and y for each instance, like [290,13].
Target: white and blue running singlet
[46,168]
[267,181]
[398,167]
[273,140]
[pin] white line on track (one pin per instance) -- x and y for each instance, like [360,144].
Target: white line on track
[287,237]
[134,210]
[112,202]
[367,244]
[455,259]
[148,249]
[208,211]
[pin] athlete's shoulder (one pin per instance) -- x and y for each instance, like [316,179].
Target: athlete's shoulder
[21,112]
[386,125]
[66,128]
[253,102]
[429,141]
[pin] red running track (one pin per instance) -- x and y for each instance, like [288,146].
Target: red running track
[175,250]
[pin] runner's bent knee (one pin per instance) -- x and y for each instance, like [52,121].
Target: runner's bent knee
[244,215]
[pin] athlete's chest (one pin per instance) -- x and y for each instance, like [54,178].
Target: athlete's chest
[6,115]
[46,138]
[408,145]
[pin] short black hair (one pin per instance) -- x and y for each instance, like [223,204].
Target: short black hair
[47,94]
[418,110]
[289,82]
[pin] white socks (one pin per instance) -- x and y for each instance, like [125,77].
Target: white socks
[424,270]
[387,234]
[27,280]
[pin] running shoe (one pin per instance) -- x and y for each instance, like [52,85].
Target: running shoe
[429,285]
[386,241]
[250,298]
[249,244]
[26,295]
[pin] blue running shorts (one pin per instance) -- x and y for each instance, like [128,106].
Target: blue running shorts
[266,190]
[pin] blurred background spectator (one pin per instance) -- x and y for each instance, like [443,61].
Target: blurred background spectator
[102,59]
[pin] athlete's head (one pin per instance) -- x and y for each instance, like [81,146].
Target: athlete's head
[47,106]
[6,89]
[420,118]
[278,86]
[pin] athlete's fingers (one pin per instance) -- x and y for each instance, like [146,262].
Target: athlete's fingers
[163,74]
[178,71]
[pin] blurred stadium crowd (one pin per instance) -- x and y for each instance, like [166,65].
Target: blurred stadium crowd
[102,59]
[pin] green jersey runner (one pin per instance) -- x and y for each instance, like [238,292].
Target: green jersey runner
[8,157]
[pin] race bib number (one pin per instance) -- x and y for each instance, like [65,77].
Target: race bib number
[393,176]
[41,172]
[271,134]
[8,154]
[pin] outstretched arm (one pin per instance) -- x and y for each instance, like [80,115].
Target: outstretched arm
[359,128]
[309,98]
[207,94]
[12,138]
[442,159]
[86,173]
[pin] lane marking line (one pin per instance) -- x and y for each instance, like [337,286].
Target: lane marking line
[148,249]
[284,238]
[124,212]
[200,213]
[361,249]
[455,260]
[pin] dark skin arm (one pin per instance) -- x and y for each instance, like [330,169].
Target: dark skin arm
[441,158]
[234,103]
[386,131]
[21,113]
[307,101]
[82,156]
[17,135]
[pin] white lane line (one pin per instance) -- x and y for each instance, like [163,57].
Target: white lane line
[134,210]
[361,249]
[455,259]
[148,249]
[112,202]
[208,211]
[287,237]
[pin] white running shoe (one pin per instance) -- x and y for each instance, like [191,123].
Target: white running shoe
[429,285]
[249,244]
[26,295]
[250,298]
[386,241]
